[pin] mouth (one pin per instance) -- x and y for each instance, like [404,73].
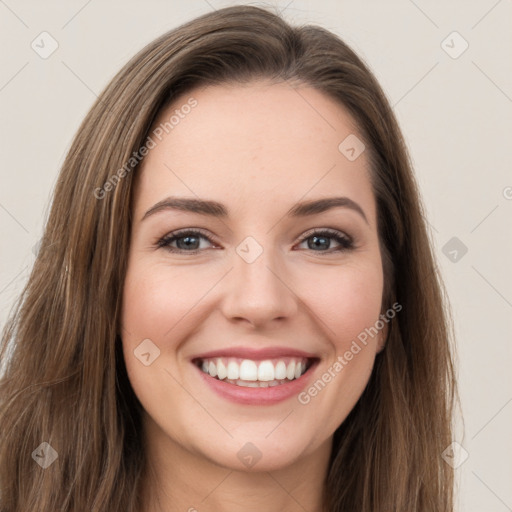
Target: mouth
[257,377]
[251,373]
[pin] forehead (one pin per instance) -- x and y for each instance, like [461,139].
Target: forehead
[255,146]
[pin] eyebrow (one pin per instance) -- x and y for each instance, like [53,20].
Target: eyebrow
[216,209]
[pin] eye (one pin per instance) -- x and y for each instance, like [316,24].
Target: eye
[321,239]
[186,241]
[189,241]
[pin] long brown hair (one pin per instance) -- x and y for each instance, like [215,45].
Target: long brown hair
[64,381]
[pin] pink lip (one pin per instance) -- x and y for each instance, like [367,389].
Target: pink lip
[258,396]
[256,354]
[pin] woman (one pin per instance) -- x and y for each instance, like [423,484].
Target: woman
[235,304]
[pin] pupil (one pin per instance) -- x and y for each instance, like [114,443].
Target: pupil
[323,238]
[187,243]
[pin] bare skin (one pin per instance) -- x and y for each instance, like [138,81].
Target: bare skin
[258,149]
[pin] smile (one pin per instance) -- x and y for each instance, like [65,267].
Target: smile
[253,373]
[250,376]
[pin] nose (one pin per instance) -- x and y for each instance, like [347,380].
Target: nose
[259,292]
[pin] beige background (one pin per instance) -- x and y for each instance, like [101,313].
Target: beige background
[456,114]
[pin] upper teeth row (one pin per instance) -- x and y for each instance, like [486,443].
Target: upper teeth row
[254,370]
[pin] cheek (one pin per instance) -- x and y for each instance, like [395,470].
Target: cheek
[152,307]
[156,306]
[155,299]
[348,305]
[346,300]
[165,305]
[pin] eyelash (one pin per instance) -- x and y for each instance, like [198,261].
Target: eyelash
[345,242]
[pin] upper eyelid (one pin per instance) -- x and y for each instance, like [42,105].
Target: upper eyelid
[329,231]
[182,232]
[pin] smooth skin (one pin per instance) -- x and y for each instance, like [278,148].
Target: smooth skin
[258,149]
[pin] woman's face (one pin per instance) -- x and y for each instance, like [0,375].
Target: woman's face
[259,291]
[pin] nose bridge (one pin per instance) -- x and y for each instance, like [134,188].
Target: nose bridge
[258,290]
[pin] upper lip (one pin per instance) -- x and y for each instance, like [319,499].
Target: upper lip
[256,353]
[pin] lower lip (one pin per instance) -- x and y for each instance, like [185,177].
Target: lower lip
[258,396]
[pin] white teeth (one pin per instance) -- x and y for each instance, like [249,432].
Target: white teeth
[248,370]
[255,384]
[233,370]
[266,371]
[290,372]
[280,372]
[222,372]
[250,373]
